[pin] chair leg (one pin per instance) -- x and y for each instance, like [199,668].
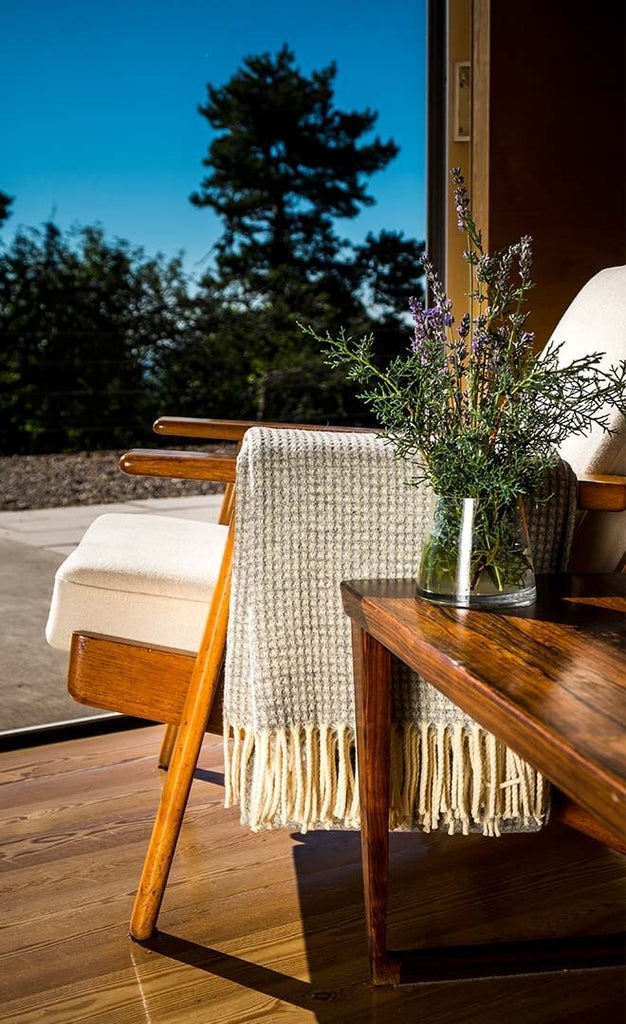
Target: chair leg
[174,796]
[167,746]
[168,821]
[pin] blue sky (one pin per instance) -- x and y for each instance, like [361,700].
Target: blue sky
[99,105]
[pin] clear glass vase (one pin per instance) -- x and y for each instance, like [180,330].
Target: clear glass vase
[477,555]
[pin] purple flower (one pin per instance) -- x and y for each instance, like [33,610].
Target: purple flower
[461,198]
[485,267]
[429,335]
[503,268]
[438,318]
[479,344]
[459,348]
[525,258]
[415,307]
[419,319]
[464,326]
[461,205]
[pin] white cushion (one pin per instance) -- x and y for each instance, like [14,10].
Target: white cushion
[140,577]
[596,322]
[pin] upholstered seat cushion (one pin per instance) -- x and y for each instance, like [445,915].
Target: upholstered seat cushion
[141,577]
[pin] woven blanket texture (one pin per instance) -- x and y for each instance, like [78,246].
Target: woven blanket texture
[313,509]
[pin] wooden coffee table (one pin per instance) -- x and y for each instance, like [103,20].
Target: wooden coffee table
[548,680]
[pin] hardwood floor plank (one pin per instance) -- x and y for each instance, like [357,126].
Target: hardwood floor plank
[265,928]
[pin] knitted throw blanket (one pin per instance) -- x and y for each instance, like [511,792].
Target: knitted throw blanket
[313,509]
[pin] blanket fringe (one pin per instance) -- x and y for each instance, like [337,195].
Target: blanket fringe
[457,777]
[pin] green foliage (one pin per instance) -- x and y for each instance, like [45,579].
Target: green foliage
[284,165]
[249,363]
[496,561]
[470,402]
[79,325]
[388,266]
[5,203]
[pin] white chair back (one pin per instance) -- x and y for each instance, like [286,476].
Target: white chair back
[596,322]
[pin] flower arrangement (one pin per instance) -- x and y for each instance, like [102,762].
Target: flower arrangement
[476,409]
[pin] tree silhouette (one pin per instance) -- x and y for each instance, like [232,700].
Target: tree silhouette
[285,163]
[283,167]
[80,322]
[5,203]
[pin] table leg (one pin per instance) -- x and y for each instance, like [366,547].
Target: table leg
[372,680]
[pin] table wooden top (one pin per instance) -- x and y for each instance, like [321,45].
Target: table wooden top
[549,679]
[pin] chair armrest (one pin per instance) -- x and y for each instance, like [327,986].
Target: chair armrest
[595,491]
[232,430]
[179,465]
[208,429]
[599,492]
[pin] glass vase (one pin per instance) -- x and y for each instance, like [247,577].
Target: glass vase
[477,555]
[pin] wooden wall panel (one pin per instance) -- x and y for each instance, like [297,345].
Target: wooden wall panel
[549,139]
[459,153]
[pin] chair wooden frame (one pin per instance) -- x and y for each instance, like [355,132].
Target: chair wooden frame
[182,689]
[175,687]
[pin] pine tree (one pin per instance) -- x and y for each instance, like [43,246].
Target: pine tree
[5,203]
[284,164]
[283,167]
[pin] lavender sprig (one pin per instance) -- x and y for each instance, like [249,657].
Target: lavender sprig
[470,399]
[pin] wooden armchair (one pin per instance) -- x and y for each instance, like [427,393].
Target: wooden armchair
[119,666]
[136,676]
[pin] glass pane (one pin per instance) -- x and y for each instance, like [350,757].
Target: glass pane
[104,142]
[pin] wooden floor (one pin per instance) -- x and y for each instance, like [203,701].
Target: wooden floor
[265,928]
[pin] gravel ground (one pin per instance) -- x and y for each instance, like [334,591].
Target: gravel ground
[84,478]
